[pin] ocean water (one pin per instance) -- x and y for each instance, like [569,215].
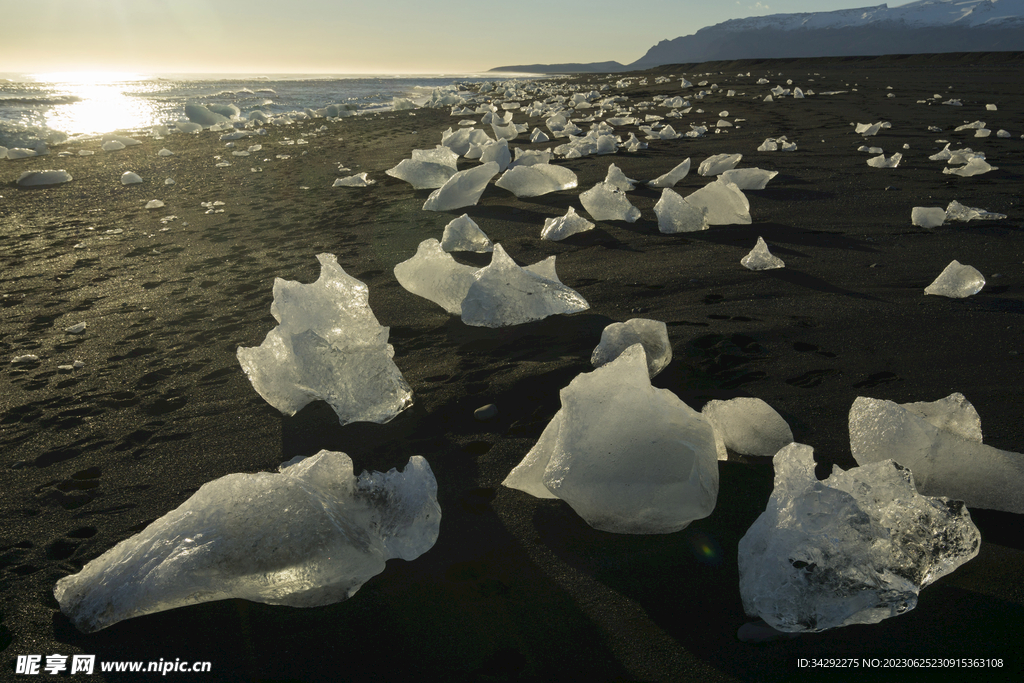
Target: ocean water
[59,107]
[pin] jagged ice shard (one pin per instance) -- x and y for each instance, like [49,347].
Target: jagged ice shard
[675,214]
[627,457]
[854,549]
[328,345]
[308,536]
[504,294]
[672,177]
[748,426]
[462,189]
[957,281]
[941,443]
[718,163]
[760,258]
[463,234]
[434,275]
[559,228]
[606,203]
[536,180]
[724,202]
[652,335]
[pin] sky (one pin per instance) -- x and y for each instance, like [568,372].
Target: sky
[346,37]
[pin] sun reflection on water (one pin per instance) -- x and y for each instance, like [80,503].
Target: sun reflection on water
[106,102]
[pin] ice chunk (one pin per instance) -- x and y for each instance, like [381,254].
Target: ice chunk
[974,166]
[760,258]
[504,294]
[77,328]
[559,228]
[606,203]
[130,178]
[422,175]
[958,212]
[327,346]
[112,145]
[927,216]
[718,163]
[531,157]
[616,178]
[748,178]
[433,274]
[748,426]
[498,153]
[358,180]
[627,457]
[651,334]
[855,548]
[724,202]
[463,234]
[536,179]
[881,162]
[307,536]
[537,135]
[203,116]
[675,214]
[869,129]
[941,444]
[957,281]
[39,178]
[462,189]
[672,177]
[154,204]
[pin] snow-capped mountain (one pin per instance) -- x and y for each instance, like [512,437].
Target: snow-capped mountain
[925,26]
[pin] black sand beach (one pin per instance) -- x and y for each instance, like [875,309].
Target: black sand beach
[516,588]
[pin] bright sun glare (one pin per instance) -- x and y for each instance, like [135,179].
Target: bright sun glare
[106,101]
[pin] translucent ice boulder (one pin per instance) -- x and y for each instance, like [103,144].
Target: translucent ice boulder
[881,162]
[462,189]
[497,152]
[956,211]
[927,216]
[328,345]
[942,445]
[855,548]
[307,536]
[718,163]
[130,178]
[760,258]
[536,180]
[957,281]
[421,174]
[559,228]
[616,178]
[747,426]
[672,177]
[724,202]
[627,457]
[358,180]
[41,178]
[651,334]
[748,178]
[434,275]
[606,203]
[675,214]
[504,294]
[463,234]
[974,166]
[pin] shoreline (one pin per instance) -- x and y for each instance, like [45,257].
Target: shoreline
[516,588]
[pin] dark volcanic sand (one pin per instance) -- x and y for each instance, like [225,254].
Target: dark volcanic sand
[516,588]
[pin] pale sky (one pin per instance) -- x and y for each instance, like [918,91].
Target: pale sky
[344,36]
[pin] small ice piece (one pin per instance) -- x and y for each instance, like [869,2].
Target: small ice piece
[991,107]
[718,163]
[26,358]
[747,426]
[627,457]
[957,281]
[675,214]
[975,166]
[927,216]
[556,229]
[168,181]
[855,548]
[422,175]
[958,212]
[503,294]
[760,258]
[531,157]
[41,178]
[77,328]
[748,178]
[672,177]
[463,234]
[165,152]
[130,178]
[651,334]
[536,180]
[869,129]
[941,444]
[357,180]
[537,135]
[308,536]
[154,204]
[1002,133]
[616,178]
[330,346]
[434,275]
[462,189]
[881,162]
[724,202]
[606,203]
[112,145]
[769,145]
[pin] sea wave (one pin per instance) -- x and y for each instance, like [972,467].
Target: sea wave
[39,101]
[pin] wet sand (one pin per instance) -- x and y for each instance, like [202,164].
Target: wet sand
[516,588]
